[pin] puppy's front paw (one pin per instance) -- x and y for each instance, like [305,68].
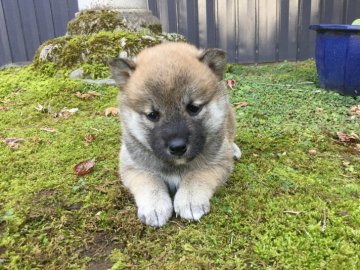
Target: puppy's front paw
[191,206]
[236,152]
[156,211]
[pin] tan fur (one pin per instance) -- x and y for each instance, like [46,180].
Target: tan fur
[166,78]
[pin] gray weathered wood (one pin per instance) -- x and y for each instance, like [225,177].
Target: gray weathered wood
[60,16]
[29,26]
[249,30]
[5,52]
[15,30]
[44,20]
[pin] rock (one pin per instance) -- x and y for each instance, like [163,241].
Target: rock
[96,36]
[123,54]
[77,74]
[93,21]
[47,51]
[101,82]
[137,21]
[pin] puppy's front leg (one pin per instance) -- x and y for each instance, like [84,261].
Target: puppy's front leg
[151,196]
[192,200]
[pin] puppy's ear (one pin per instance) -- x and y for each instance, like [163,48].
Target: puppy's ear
[121,70]
[216,60]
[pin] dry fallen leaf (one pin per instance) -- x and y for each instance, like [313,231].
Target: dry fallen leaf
[89,95]
[357,146]
[84,167]
[3,108]
[112,110]
[94,93]
[89,138]
[101,189]
[5,100]
[13,143]
[343,137]
[230,83]
[241,104]
[355,109]
[48,129]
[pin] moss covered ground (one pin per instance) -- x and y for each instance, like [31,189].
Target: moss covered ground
[292,201]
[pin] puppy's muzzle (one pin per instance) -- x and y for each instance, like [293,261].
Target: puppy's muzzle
[177,147]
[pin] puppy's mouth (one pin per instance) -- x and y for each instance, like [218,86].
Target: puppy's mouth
[180,161]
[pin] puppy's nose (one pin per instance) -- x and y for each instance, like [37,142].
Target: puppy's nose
[177,147]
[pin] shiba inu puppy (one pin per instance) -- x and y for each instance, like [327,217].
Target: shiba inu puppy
[178,129]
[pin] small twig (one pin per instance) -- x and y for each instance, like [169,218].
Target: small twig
[307,233]
[181,227]
[231,239]
[292,212]
[306,82]
[323,227]
[262,182]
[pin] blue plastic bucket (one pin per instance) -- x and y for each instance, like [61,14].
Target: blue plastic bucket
[337,56]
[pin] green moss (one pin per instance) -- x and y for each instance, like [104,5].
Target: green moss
[94,21]
[72,52]
[155,28]
[52,219]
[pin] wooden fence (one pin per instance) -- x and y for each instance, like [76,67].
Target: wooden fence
[251,31]
[254,30]
[25,24]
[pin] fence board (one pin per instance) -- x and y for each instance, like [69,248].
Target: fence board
[5,52]
[73,7]
[249,30]
[352,10]
[202,25]
[303,30]
[60,16]
[30,29]
[221,19]
[173,16]
[231,26]
[162,14]
[246,30]
[153,6]
[267,30]
[44,20]
[211,24]
[193,21]
[14,30]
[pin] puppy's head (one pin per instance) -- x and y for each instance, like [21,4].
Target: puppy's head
[173,100]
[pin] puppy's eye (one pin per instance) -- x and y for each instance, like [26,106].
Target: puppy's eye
[153,116]
[193,109]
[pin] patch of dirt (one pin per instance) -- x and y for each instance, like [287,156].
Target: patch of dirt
[2,227]
[99,265]
[2,250]
[74,206]
[45,193]
[45,204]
[98,249]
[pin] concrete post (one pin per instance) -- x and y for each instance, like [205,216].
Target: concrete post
[123,5]
[135,13]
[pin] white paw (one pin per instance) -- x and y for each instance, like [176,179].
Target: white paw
[191,206]
[237,152]
[155,211]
